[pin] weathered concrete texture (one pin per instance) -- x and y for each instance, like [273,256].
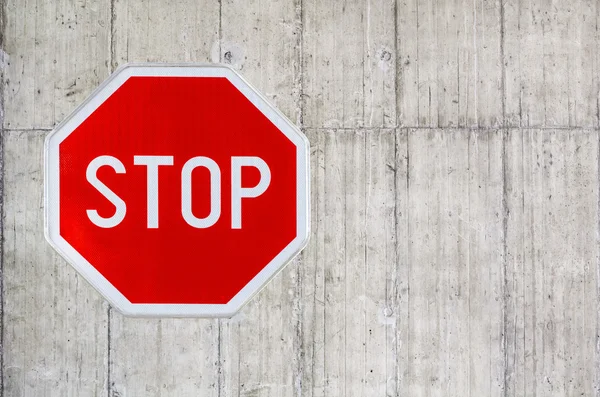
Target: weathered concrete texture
[56,53]
[450,63]
[349,63]
[350,314]
[171,357]
[551,276]
[551,63]
[466,231]
[55,336]
[151,31]
[454,249]
[455,262]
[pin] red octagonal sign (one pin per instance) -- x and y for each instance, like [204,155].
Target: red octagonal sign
[177,190]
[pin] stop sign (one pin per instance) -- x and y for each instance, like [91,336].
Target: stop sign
[177,190]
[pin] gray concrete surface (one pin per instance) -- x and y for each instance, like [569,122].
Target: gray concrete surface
[455,162]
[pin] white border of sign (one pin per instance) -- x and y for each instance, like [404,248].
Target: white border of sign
[105,90]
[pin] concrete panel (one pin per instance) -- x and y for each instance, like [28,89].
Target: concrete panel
[54,339]
[349,276]
[454,263]
[55,53]
[349,64]
[551,63]
[449,63]
[551,289]
[160,31]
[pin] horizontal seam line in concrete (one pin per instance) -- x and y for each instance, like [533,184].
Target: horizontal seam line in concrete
[32,130]
[48,129]
[451,128]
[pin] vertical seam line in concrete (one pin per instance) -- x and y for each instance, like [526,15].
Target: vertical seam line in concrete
[503,65]
[113,43]
[2,137]
[397,71]
[408,251]
[367,186]
[597,361]
[417,65]
[469,370]
[301,66]
[298,344]
[2,43]
[220,31]
[219,358]
[108,358]
[544,73]
[505,214]
[597,111]
[395,299]
[326,171]
[364,50]
[344,234]
[595,74]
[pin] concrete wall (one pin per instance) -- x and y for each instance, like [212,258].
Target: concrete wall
[455,162]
